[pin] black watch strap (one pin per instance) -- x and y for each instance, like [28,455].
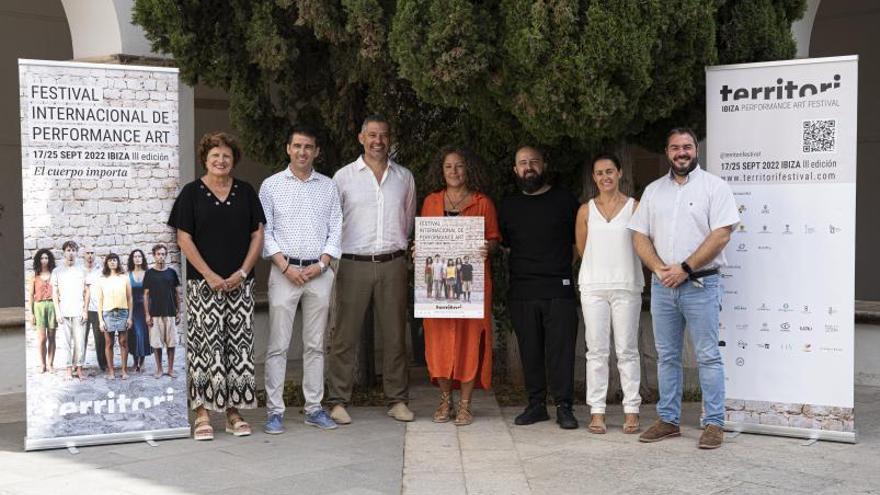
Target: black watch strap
[687,268]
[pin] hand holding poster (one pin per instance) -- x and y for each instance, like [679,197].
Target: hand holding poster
[449,273]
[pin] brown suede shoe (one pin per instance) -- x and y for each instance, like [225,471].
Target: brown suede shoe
[712,437]
[659,431]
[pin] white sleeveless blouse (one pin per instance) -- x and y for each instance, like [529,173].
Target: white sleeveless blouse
[610,260]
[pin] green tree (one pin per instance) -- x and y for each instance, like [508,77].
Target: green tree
[571,76]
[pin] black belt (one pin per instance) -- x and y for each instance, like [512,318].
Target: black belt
[297,262]
[374,258]
[704,273]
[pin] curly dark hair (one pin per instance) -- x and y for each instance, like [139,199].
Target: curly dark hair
[130,263]
[475,175]
[212,140]
[106,270]
[38,265]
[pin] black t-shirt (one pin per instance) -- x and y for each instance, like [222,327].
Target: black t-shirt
[467,272]
[539,230]
[162,285]
[221,231]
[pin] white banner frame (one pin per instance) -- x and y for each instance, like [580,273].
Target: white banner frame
[93,171]
[783,134]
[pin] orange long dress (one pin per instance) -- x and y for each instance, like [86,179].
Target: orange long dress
[461,349]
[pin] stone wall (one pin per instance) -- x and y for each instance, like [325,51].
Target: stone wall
[790,415]
[115,214]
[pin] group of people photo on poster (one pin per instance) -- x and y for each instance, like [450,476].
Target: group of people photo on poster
[450,273]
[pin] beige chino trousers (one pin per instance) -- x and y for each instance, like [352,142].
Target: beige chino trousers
[284,297]
[358,283]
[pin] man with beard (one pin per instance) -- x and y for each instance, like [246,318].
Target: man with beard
[683,222]
[537,226]
[378,199]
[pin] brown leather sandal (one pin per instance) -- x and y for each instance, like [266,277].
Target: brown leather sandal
[631,423]
[444,411]
[597,424]
[464,416]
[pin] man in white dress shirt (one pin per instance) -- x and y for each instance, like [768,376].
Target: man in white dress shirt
[302,236]
[683,222]
[379,206]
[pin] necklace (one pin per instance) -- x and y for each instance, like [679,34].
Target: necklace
[454,204]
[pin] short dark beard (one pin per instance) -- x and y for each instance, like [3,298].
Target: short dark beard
[694,164]
[531,184]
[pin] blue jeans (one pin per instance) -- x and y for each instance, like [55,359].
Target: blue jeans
[698,307]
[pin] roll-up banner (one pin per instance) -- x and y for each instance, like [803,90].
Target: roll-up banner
[99,148]
[783,135]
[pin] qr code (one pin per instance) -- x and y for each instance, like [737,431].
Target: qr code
[819,136]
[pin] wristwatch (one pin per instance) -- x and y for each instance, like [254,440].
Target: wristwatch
[687,268]
[322,266]
[242,274]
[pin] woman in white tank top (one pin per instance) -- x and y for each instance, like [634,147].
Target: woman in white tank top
[611,283]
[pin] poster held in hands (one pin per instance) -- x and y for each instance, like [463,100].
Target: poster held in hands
[449,271]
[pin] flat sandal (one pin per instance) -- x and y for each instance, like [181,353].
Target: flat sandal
[237,426]
[202,429]
[464,416]
[597,424]
[444,412]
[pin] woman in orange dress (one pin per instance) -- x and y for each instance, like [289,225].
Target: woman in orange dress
[459,351]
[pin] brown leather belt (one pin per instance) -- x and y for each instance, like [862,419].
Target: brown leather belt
[374,258]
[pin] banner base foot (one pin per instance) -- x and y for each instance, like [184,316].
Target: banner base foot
[812,436]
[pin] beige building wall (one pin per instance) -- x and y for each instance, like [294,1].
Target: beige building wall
[30,29]
[849,27]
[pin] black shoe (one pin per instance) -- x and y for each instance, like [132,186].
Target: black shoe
[533,414]
[565,417]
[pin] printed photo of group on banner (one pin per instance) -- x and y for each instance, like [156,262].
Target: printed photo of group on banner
[105,350]
[449,273]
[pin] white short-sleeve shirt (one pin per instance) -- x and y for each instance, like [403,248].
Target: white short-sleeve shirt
[678,217]
[70,284]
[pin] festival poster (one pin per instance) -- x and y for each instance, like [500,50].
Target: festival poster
[99,177]
[449,271]
[783,135]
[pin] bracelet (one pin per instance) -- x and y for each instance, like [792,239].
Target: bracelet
[285,268]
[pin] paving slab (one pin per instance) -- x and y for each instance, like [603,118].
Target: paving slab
[376,455]
[365,458]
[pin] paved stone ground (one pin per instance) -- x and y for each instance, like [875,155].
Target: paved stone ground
[378,455]
[363,459]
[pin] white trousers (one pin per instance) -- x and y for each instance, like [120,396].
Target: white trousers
[620,309]
[284,297]
[73,330]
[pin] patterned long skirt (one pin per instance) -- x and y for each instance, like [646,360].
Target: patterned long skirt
[220,346]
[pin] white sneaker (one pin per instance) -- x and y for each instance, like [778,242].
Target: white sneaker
[340,415]
[400,412]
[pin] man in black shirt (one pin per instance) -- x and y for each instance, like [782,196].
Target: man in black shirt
[467,278]
[162,308]
[538,228]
